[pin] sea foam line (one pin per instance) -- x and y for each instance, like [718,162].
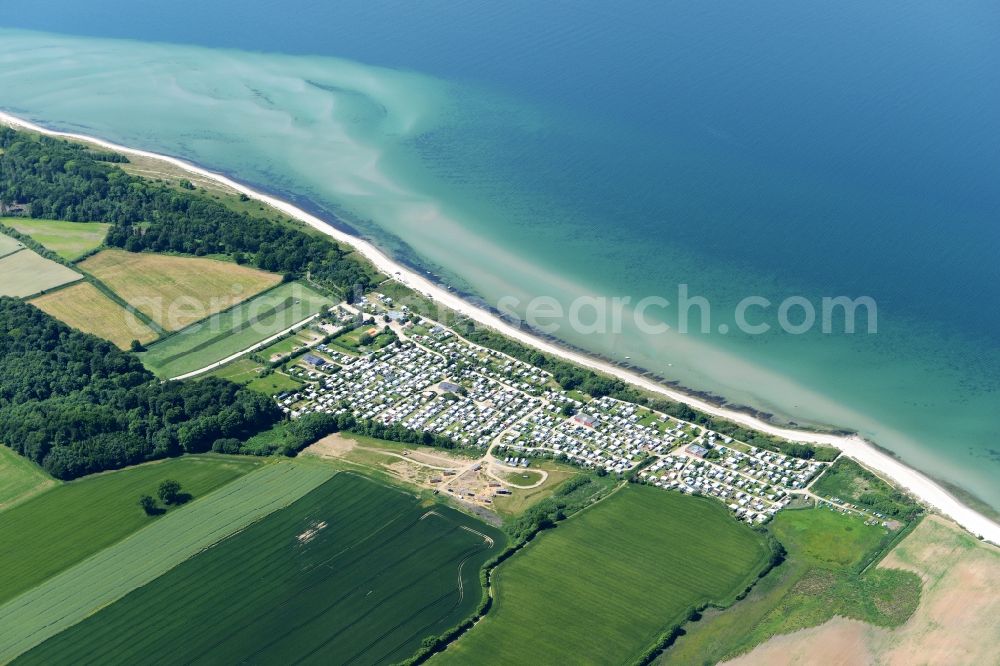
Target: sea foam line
[854,446]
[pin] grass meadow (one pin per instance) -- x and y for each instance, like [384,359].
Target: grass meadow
[354,572]
[240,371]
[606,583]
[60,527]
[77,593]
[819,579]
[234,330]
[248,373]
[20,478]
[177,291]
[286,346]
[27,273]
[84,307]
[521,499]
[274,383]
[351,340]
[70,240]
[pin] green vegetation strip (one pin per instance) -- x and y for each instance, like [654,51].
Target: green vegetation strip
[354,572]
[71,522]
[255,376]
[604,585]
[20,478]
[847,481]
[260,319]
[76,593]
[233,330]
[819,580]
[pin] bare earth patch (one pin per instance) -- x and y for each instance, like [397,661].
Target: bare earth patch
[452,475]
[956,623]
[331,446]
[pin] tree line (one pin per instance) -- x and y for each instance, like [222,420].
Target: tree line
[290,437]
[76,404]
[66,181]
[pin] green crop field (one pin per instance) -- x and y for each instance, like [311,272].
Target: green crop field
[79,592]
[70,240]
[26,273]
[354,572]
[60,527]
[606,583]
[234,330]
[20,478]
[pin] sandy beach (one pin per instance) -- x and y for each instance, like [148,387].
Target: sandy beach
[909,479]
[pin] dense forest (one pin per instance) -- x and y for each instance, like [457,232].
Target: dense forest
[66,181]
[76,404]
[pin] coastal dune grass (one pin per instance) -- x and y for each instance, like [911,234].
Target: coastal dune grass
[606,583]
[354,572]
[62,526]
[70,240]
[20,478]
[71,596]
[847,481]
[177,291]
[84,307]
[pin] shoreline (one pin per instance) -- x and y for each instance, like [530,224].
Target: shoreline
[921,486]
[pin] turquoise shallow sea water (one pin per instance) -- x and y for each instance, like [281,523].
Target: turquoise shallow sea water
[571,149]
